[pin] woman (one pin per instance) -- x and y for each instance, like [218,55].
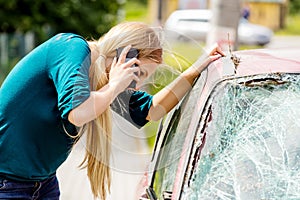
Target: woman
[67,83]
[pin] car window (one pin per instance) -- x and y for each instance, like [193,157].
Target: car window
[193,20]
[172,145]
[252,141]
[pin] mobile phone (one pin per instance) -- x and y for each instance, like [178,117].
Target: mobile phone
[132,53]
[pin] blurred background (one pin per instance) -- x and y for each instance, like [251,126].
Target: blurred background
[24,24]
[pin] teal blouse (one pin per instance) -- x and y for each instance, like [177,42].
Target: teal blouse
[35,100]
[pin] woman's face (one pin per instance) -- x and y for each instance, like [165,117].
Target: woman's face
[147,68]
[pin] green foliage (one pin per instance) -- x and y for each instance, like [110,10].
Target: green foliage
[5,69]
[89,18]
[294,6]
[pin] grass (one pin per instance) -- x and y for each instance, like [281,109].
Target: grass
[136,11]
[292,26]
[246,47]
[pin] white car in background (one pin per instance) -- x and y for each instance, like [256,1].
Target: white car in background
[195,24]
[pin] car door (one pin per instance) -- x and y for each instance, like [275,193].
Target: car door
[173,145]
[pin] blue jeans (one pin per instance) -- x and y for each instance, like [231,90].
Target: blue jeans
[37,190]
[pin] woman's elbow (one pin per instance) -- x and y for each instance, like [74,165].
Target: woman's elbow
[75,120]
[156,113]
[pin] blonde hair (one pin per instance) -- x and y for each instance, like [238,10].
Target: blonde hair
[98,131]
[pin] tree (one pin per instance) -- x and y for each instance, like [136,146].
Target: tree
[294,6]
[89,18]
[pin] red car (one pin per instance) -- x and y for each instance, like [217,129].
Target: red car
[236,135]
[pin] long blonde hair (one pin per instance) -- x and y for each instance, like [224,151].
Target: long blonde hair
[98,131]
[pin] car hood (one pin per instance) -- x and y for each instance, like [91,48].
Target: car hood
[251,62]
[259,61]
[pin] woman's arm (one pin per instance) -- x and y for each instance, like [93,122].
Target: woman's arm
[120,76]
[96,104]
[168,97]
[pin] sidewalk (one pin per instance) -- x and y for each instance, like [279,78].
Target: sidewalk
[284,42]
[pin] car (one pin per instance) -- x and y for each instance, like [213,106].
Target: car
[195,24]
[235,135]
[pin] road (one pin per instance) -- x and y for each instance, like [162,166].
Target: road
[284,42]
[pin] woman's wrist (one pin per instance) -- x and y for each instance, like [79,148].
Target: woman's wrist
[191,74]
[114,90]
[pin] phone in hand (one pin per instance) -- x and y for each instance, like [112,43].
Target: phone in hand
[132,53]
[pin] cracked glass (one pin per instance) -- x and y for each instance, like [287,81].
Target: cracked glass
[250,147]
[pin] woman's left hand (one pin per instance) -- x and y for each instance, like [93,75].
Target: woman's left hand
[214,53]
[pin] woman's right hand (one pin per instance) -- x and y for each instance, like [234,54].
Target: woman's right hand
[120,76]
[121,73]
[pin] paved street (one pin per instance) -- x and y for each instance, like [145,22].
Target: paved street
[284,42]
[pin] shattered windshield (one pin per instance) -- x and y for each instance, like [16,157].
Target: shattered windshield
[252,141]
